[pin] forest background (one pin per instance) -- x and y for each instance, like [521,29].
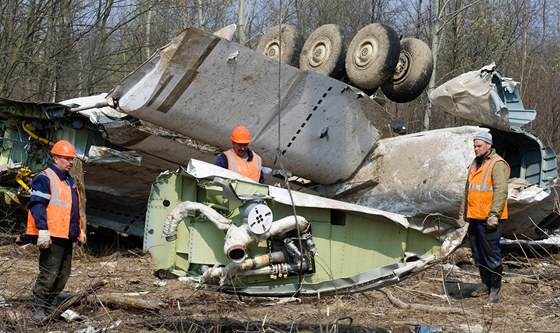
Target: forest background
[51,50]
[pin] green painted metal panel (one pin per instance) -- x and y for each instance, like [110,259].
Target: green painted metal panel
[206,244]
[162,251]
[161,202]
[421,244]
[183,233]
[322,262]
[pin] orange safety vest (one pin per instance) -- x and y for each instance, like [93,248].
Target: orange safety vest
[250,169]
[481,190]
[58,209]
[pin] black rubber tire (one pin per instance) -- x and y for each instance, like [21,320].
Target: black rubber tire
[290,41]
[372,56]
[412,73]
[370,92]
[324,51]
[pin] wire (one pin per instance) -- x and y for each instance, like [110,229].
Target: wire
[278,150]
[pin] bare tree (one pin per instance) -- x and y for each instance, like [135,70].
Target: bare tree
[441,18]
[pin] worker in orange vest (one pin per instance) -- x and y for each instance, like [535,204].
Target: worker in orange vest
[54,218]
[240,158]
[485,207]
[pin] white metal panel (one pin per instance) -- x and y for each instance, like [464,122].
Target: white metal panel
[202,86]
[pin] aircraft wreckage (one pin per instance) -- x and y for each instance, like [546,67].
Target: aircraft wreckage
[382,209]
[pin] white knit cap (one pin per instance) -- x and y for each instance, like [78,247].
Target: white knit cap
[484,136]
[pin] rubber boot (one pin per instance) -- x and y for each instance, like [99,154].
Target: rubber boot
[484,288]
[38,310]
[41,308]
[38,314]
[495,286]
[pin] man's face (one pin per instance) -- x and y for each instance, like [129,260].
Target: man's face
[63,163]
[481,148]
[240,148]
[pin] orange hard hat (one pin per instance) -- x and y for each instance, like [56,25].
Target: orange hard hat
[63,148]
[241,134]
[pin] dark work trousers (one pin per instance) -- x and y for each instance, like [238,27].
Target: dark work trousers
[55,264]
[485,246]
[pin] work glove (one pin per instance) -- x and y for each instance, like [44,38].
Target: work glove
[492,222]
[44,239]
[83,238]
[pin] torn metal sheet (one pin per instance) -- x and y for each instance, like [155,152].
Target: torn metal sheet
[227,32]
[194,87]
[200,169]
[485,97]
[32,110]
[412,174]
[95,108]
[422,176]
[534,219]
[107,155]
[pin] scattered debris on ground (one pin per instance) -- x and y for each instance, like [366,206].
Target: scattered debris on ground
[117,292]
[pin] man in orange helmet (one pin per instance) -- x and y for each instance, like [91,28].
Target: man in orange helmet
[240,158]
[54,217]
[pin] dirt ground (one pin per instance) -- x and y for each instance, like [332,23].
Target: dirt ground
[530,300]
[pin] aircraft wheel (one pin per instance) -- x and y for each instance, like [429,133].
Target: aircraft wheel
[289,40]
[412,73]
[372,56]
[324,52]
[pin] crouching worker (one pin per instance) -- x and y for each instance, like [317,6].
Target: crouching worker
[54,217]
[240,158]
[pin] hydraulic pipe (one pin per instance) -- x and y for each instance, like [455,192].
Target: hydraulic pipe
[23,172]
[182,210]
[282,269]
[234,268]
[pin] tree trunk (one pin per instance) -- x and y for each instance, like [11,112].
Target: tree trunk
[77,172]
[436,32]
[241,23]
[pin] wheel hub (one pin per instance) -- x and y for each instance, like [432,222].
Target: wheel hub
[366,52]
[273,50]
[403,67]
[320,52]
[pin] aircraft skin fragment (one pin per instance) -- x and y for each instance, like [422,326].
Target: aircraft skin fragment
[342,248]
[485,97]
[410,174]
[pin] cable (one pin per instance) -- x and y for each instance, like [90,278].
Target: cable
[35,136]
[278,150]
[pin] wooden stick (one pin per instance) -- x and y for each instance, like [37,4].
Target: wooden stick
[127,301]
[75,299]
[400,304]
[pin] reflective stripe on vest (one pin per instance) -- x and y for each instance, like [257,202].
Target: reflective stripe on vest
[248,169]
[59,208]
[481,190]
